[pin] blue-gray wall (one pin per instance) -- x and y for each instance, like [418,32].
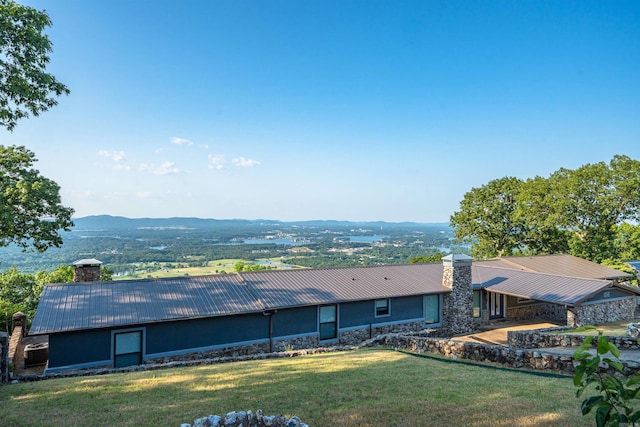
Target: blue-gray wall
[362,313]
[77,348]
[207,332]
[295,321]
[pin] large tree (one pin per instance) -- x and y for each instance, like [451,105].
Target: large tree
[30,210]
[486,218]
[578,211]
[25,86]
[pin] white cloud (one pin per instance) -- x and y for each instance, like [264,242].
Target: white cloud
[116,156]
[180,141]
[121,167]
[242,162]
[166,168]
[216,161]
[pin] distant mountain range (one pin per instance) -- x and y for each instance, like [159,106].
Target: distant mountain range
[123,223]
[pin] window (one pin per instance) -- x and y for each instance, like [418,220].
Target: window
[127,349]
[432,309]
[328,322]
[382,307]
[476,304]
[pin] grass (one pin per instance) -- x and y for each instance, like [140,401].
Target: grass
[613,329]
[168,269]
[363,388]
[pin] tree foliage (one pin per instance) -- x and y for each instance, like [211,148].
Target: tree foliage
[577,211]
[25,86]
[616,393]
[30,209]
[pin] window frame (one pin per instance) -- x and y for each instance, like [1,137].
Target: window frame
[119,360]
[323,326]
[386,312]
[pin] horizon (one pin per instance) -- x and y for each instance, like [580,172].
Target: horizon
[327,109]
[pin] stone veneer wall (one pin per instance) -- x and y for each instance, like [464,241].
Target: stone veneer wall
[87,273]
[356,336]
[545,338]
[602,312]
[538,311]
[506,356]
[4,358]
[457,306]
[14,341]
[246,419]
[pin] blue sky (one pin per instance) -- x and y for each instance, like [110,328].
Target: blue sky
[347,110]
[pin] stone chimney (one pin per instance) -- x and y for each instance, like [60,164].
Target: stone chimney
[457,307]
[86,270]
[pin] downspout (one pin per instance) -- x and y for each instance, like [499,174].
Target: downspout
[270,313]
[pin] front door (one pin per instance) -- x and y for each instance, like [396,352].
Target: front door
[496,305]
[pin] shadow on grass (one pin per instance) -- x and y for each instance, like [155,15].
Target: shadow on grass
[370,387]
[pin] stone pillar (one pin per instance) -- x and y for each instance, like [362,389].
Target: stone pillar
[86,270]
[457,310]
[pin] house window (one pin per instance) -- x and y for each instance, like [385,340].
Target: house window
[477,307]
[382,307]
[328,322]
[432,309]
[127,349]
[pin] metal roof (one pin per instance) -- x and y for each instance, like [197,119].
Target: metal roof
[558,264]
[290,288]
[87,305]
[537,286]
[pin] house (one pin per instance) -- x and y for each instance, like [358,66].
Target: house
[121,323]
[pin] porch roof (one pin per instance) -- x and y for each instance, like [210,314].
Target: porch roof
[554,289]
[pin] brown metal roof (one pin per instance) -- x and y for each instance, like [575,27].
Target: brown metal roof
[541,287]
[558,264]
[287,288]
[87,305]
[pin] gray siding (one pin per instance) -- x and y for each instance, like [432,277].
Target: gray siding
[197,333]
[79,348]
[295,321]
[362,313]
[609,294]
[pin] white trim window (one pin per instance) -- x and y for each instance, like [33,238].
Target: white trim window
[383,307]
[127,348]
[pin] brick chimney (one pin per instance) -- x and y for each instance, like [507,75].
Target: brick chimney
[86,270]
[457,307]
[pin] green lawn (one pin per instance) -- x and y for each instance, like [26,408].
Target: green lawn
[613,329]
[373,387]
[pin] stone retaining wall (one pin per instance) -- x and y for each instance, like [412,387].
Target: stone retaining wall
[544,338]
[246,419]
[514,358]
[602,312]
[4,358]
[538,311]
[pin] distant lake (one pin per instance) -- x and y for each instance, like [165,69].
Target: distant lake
[365,239]
[274,241]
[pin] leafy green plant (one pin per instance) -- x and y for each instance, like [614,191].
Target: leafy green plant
[616,392]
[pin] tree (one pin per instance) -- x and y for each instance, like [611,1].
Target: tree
[486,218]
[25,86]
[30,210]
[578,211]
[616,392]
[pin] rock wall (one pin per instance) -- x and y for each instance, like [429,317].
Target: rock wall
[514,358]
[246,419]
[602,312]
[4,358]
[538,311]
[545,338]
[457,306]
